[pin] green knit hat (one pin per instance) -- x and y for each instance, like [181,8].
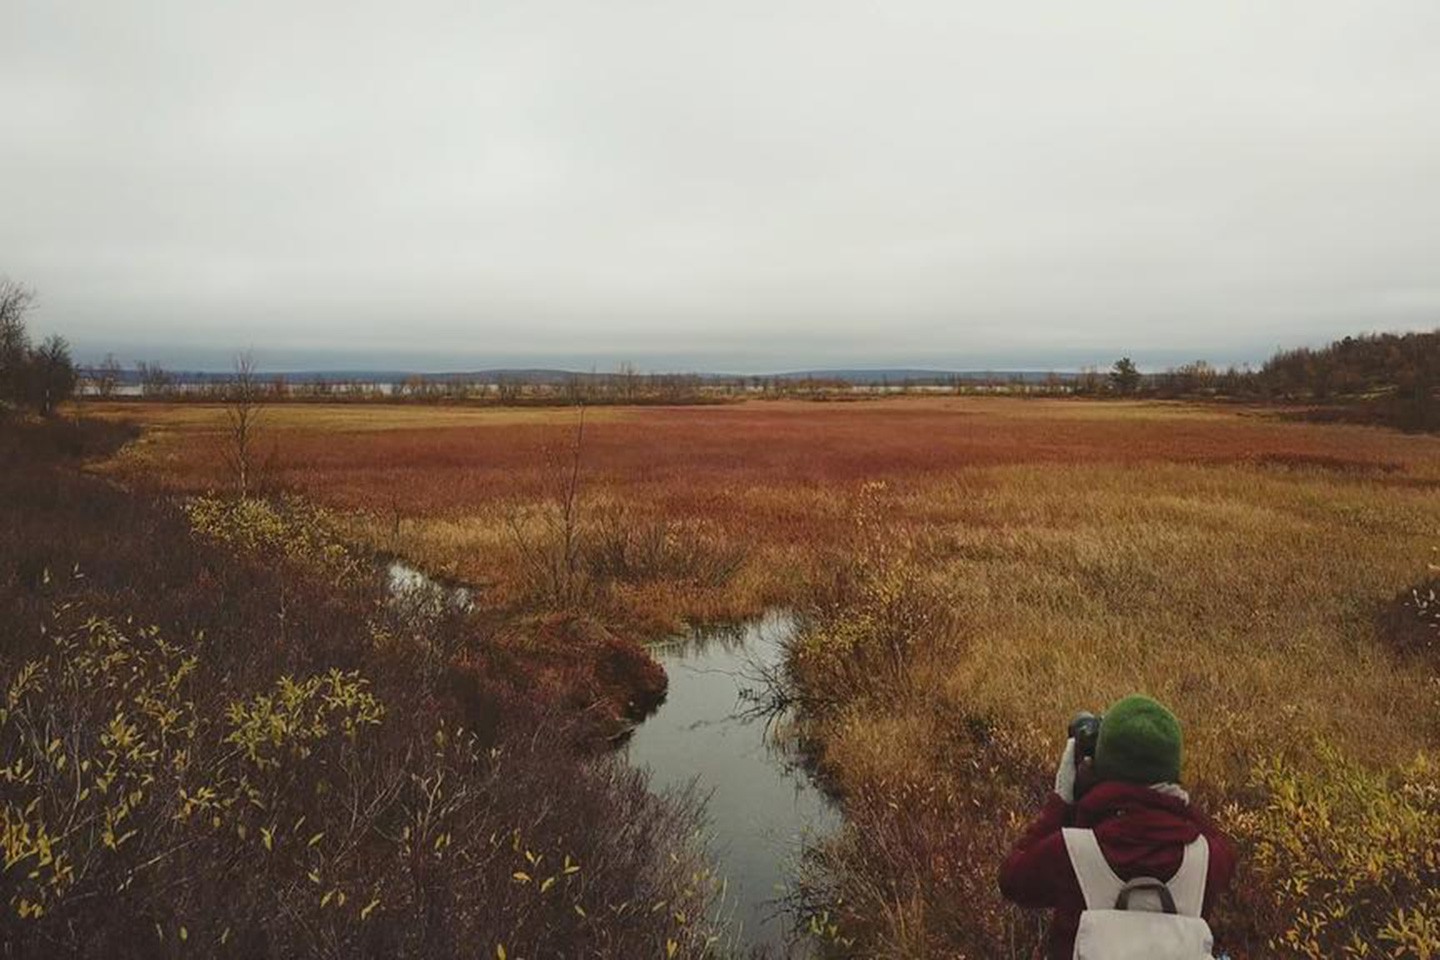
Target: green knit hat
[1139,743]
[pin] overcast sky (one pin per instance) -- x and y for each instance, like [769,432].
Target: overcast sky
[723,185]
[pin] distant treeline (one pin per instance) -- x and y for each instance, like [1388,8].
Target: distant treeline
[151,381]
[1379,378]
[548,387]
[1384,378]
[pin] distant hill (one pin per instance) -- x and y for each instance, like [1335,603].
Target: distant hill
[900,375]
[535,375]
[552,376]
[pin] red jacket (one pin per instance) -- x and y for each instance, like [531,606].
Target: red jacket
[1142,833]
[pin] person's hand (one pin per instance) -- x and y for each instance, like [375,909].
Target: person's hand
[1065,773]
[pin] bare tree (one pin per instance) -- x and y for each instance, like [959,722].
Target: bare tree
[155,380]
[629,382]
[106,376]
[36,377]
[15,301]
[53,375]
[570,512]
[551,558]
[509,388]
[576,389]
[244,399]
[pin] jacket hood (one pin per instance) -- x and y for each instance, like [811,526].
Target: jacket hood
[1133,821]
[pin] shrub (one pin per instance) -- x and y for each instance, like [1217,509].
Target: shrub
[288,529]
[878,608]
[621,545]
[1345,863]
[138,820]
[261,776]
[120,784]
[911,873]
[1411,621]
[575,558]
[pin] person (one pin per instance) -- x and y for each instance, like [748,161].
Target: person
[1130,797]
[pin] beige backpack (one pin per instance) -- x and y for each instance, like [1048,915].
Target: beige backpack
[1144,918]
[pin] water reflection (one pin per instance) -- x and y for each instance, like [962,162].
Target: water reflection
[763,808]
[724,637]
[412,588]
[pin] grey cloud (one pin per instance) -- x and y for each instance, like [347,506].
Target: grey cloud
[743,185]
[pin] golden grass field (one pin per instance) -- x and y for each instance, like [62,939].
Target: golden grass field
[1222,558]
[1227,561]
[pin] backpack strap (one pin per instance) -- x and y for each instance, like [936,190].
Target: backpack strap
[1098,883]
[1188,884]
[1103,890]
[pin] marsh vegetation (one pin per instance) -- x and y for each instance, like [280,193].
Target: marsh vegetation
[219,737]
[969,571]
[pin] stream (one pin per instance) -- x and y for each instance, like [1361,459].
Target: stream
[762,808]
[406,584]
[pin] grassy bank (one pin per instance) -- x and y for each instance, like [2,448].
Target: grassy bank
[977,570]
[219,739]
[939,673]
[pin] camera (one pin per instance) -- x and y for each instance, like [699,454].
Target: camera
[1085,730]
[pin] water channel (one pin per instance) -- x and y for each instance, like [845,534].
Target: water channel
[761,805]
[408,585]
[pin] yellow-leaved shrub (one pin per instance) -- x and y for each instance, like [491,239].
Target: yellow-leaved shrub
[104,756]
[1346,863]
[287,528]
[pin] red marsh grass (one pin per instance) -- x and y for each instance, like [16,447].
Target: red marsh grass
[1050,555]
[776,476]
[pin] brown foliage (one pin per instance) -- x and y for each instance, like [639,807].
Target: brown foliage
[561,660]
[255,819]
[1411,622]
